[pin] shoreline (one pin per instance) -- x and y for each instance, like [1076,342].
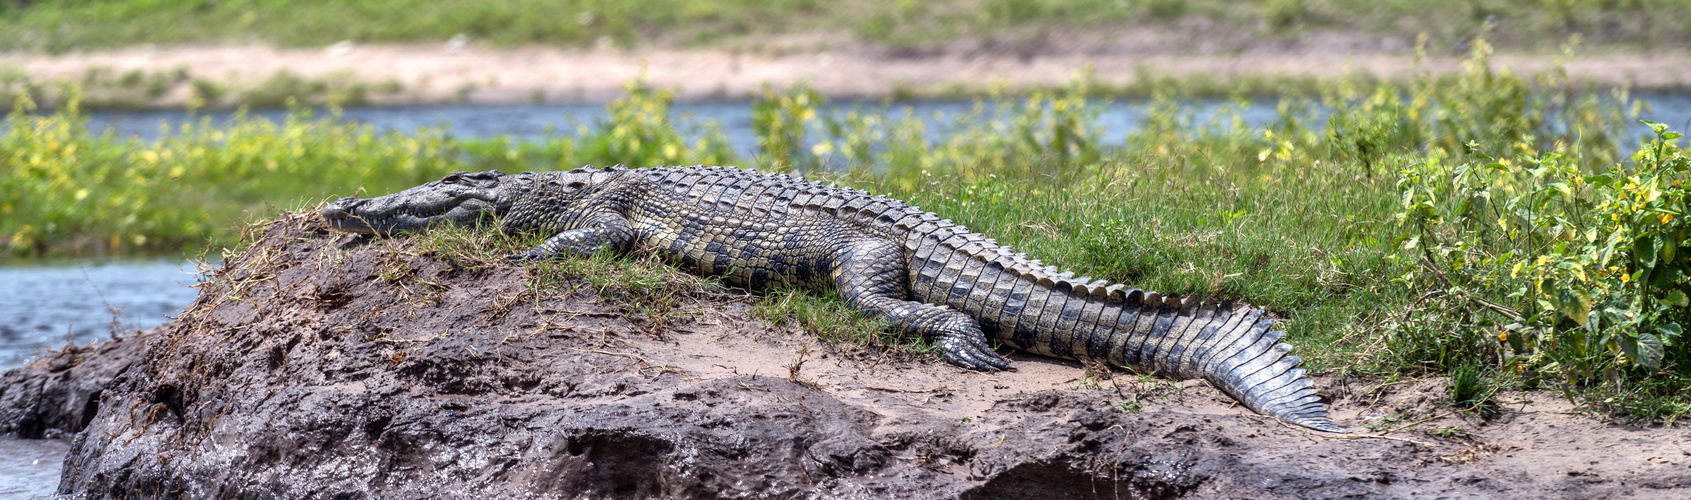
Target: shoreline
[440,74]
[529,386]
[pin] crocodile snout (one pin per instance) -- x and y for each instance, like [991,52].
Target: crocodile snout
[341,208]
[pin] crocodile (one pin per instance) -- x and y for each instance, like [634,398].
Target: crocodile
[923,274]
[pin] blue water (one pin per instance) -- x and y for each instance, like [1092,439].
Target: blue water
[534,121]
[51,304]
[30,468]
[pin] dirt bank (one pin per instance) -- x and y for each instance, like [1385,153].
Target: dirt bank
[441,73]
[56,396]
[319,364]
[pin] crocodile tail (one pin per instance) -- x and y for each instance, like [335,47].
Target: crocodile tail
[1231,346]
[1037,309]
[1240,352]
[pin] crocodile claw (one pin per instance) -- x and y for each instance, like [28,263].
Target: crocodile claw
[973,354]
[524,257]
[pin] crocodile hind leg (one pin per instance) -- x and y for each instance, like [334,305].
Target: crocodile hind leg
[870,278]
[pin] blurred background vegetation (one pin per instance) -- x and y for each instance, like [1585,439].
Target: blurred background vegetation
[1532,24]
[1514,230]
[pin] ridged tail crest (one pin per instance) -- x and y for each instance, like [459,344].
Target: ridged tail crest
[1247,360]
[1233,346]
[1038,308]
[1230,345]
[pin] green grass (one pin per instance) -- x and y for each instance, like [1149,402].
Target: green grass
[1019,25]
[101,24]
[821,313]
[1472,225]
[650,293]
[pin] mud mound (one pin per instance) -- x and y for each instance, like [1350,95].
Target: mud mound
[56,396]
[317,364]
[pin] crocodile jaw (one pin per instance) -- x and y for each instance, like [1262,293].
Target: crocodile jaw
[447,201]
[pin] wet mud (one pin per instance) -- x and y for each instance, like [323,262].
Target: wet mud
[308,367]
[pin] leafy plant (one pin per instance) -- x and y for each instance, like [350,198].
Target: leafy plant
[779,122]
[640,132]
[1581,274]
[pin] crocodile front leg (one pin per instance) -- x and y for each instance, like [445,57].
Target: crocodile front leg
[870,277]
[608,230]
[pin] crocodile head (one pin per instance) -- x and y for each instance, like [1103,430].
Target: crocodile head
[463,198]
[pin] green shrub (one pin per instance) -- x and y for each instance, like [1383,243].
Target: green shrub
[1580,275]
[640,132]
[779,121]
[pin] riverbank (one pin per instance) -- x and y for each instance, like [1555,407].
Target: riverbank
[319,363]
[197,76]
[1196,199]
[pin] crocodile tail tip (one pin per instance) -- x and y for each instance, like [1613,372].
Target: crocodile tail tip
[1324,425]
[1312,415]
[1267,379]
[1296,404]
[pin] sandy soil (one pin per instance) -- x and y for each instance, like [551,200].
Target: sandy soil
[439,73]
[325,364]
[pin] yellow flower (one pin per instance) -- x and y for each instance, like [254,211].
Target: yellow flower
[1665,218]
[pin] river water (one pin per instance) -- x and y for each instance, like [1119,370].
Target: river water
[50,304]
[534,121]
[47,304]
[30,468]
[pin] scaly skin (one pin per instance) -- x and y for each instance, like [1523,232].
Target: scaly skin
[895,262]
